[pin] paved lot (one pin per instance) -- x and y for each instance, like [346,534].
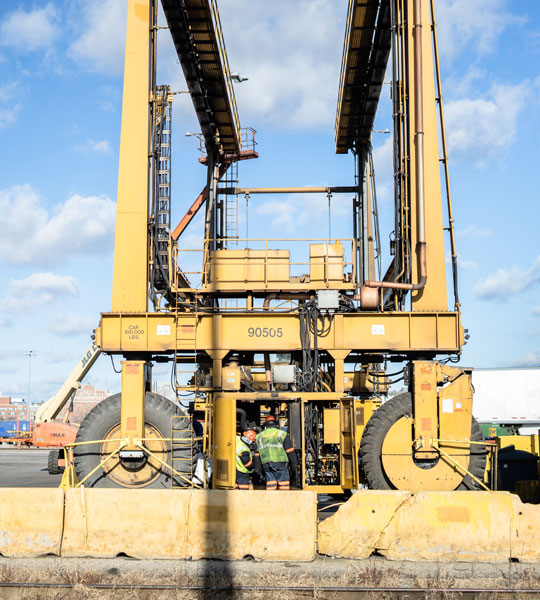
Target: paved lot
[25,468]
[28,468]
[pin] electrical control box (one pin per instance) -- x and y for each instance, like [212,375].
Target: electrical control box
[328,300]
[230,378]
[283,373]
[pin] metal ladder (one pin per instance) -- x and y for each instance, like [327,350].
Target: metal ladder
[186,347]
[230,204]
[162,185]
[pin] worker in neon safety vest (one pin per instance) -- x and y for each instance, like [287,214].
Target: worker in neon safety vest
[244,459]
[276,450]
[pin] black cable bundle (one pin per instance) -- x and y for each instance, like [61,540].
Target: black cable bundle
[310,315]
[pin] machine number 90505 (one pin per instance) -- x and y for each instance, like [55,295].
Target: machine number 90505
[265,332]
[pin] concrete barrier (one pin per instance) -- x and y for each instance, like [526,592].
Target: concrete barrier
[195,524]
[451,526]
[190,524]
[139,523]
[265,525]
[525,531]
[31,521]
[355,529]
[434,526]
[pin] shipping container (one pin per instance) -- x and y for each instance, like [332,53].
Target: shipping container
[8,429]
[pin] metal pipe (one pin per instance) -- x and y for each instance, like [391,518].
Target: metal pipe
[284,296]
[288,190]
[419,151]
[243,418]
[445,159]
[199,201]
[365,215]
[268,371]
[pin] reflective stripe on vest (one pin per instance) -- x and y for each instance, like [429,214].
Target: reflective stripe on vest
[241,447]
[270,445]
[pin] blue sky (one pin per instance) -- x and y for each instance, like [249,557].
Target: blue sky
[60,101]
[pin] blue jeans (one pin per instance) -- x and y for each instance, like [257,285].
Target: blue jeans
[276,474]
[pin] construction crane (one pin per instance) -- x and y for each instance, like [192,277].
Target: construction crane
[310,348]
[49,433]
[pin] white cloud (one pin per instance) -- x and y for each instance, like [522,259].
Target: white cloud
[8,91]
[480,127]
[9,112]
[30,31]
[530,359]
[473,231]
[70,325]
[111,99]
[107,106]
[463,263]
[36,290]
[293,76]
[466,26]
[302,214]
[505,283]
[468,265]
[100,45]
[81,225]
[60,356]
[102,146]
[536,311]
[8,116]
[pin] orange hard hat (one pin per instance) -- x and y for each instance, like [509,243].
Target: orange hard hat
[269,418]
[250,435]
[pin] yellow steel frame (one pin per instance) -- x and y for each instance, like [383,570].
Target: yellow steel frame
[408,332]
[433,296]
[428,329]
[130,277]
[132,403]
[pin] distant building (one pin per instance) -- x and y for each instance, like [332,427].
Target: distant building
[82,403]
[15,409]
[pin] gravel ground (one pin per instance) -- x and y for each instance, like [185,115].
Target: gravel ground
[320,574]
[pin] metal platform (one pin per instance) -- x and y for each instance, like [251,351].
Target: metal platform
[365,55]
[196,32]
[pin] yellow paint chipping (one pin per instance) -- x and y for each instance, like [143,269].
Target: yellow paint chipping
[30,521]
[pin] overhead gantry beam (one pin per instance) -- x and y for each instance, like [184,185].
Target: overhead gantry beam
[365,55]
[196,32]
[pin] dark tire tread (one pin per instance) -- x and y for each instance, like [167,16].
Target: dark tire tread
[376,430]
[106,415]
[52,462]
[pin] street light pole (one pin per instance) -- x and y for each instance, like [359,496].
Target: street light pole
[29,353]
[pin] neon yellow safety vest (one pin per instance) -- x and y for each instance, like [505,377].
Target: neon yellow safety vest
[240,448]
[270,445]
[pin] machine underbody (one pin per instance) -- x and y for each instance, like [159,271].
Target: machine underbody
[313,343]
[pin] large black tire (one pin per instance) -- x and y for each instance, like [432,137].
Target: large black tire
[105,417]
[375,433]
[52,462]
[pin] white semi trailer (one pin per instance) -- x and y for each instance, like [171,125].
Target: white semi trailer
[508,397]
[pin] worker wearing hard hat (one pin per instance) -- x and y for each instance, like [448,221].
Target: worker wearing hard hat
[244,458]
[276,450]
